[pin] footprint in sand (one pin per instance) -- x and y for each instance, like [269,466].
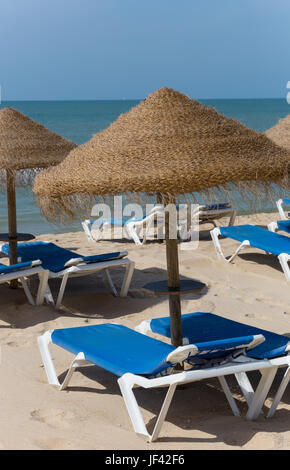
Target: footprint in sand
[53,417]
[63,444]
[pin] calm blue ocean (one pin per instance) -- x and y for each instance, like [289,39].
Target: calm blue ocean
[79,120]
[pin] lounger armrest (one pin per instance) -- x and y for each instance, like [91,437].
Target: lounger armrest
[181,354]
[237,344]
[95,258]
[104,257]
[73,262]
[19,267]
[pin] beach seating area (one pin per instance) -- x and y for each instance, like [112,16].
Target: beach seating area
[167,316]
[215,346]
[63,264]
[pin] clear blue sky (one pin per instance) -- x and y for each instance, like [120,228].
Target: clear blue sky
[111,49]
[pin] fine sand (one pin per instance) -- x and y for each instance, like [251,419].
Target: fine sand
[91,413]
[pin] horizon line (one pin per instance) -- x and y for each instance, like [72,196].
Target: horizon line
[130,99]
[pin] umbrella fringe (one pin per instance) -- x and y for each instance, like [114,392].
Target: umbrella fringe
[249,196]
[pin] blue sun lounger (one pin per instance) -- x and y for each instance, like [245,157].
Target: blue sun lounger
[139,360]
[199,325]
[209,213]
[22,271]
[132,226]
[62,263]
[256,237]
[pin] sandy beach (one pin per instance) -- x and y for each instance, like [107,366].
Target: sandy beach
[91,413]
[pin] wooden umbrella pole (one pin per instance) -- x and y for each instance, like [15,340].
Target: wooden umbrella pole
[12,223]
[173,282]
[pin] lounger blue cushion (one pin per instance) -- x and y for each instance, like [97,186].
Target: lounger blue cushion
[284,225]
[259,238]
[54,257]
[17,267]
[210,207]
[115,348]
[199,326]
[104,257]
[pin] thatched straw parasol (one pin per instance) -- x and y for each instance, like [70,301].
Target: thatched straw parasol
[168,145]
[280,133]
[25,147]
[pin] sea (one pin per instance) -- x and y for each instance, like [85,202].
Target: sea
[80,120]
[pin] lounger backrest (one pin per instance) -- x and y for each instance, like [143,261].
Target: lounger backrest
[203,326]
[224,347]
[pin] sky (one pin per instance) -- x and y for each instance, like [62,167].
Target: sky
[125,49]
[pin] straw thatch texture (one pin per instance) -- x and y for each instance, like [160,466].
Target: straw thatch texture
[26,144]
[280,133]
[168,144]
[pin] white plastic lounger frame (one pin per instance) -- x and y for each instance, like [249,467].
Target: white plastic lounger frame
[132,228]
[22,274]
[209,216]
[239,367]
[282,214]
[273,227]
[283,258]
[91,268]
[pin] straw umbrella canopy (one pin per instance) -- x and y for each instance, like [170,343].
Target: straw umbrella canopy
[168,145]
[280,133]
[25,147]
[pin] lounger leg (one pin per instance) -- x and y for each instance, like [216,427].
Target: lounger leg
[27,291]
[146,231]
[261,393]
[245,386]
[232,218]
[132,233]
[163,413]
[127,279]
[229,396]
[279,393]
[79,361]
[86,228]
[99,234]
[43,342]
[284,259]
[42,288]
[214,235]
[110,282]
[215,238]
[126,385]
[48,295]
[61,291]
